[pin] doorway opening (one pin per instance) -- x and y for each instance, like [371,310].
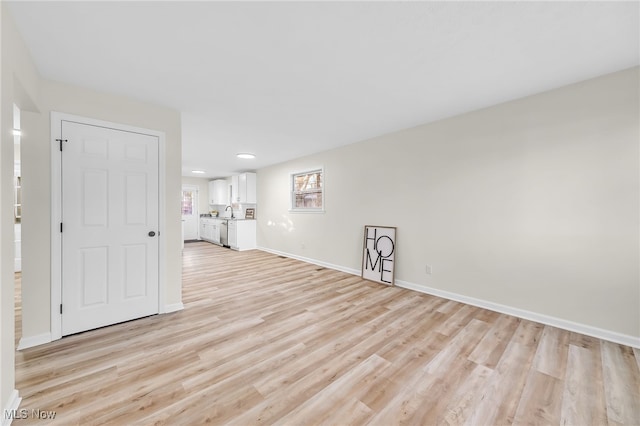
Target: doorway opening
[190,213]
[17,218]
[17,191]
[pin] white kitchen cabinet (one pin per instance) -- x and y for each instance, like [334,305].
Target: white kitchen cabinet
[242,234]
[243,188]
[206,229]
[235,188]
[203,229]
[218,192]
[210,230]
[215,237]
[212,191]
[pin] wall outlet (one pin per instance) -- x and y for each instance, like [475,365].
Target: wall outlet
[429,269]
[303,246]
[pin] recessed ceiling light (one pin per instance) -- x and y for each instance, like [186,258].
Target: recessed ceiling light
[17,132]
[198,171]
[245,155]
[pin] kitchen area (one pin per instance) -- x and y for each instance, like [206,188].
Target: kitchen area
[230,221]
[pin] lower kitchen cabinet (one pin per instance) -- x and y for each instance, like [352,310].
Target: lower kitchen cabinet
[210,230]
[242,234]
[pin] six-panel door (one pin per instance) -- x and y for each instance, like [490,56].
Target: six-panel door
[110,226]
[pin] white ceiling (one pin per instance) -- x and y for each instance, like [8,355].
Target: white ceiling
[287,79]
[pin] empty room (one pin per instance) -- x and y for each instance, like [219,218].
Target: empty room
[306,213]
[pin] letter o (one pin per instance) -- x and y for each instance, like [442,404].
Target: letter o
[385,246]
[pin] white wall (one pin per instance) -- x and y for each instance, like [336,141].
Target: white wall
[22,85]
[532,204]
[19,84]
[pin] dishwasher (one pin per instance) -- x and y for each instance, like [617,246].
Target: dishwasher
[224,233]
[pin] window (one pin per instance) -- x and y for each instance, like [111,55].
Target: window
[307,191]
[187,202]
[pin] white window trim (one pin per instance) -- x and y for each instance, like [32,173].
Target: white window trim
[321,210]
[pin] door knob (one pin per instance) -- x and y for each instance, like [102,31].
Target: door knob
[152,234]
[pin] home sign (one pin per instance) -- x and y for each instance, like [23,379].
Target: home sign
[379,254]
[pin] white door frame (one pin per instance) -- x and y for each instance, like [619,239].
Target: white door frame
[196,207]
[56,211]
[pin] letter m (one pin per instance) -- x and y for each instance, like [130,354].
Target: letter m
[369,262]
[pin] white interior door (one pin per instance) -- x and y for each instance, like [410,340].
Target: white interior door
[110,220]
[190,215]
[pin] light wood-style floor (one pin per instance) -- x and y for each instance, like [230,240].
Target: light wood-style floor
[269,340]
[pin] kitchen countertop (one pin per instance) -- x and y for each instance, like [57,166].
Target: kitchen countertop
[223,218]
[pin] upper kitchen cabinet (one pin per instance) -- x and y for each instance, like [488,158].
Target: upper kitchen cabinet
[219,192]
[243,188]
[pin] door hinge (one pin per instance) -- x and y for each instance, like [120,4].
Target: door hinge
[61,309]
[61,140]
[60,226]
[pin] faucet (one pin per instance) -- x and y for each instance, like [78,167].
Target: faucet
[229,207]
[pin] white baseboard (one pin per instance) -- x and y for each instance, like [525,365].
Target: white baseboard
[31,341]
[588,330]
[41,339]
[10,408]
[173,307]
[312,261]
